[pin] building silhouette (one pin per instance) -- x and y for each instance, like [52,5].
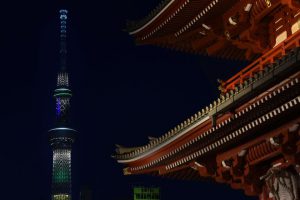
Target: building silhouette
[146,193]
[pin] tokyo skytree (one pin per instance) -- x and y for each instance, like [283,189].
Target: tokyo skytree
[62,136]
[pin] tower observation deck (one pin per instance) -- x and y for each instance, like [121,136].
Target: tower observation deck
[62,137]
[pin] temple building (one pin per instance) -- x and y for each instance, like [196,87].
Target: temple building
[247,138]
[62,136]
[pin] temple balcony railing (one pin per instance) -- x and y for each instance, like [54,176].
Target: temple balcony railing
[258,65]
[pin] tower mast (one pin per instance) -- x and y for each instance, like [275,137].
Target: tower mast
[62,136]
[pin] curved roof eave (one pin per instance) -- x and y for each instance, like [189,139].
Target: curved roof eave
[154,18]
[166,143]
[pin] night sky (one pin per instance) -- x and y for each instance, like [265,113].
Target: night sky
[122,94]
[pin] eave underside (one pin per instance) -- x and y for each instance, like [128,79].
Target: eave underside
[223,29]
[244,171]
[190,41]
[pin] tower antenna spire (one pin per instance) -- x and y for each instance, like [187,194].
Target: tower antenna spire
[63,38]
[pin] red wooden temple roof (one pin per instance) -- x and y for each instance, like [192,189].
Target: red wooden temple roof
[254,125]
[176,148]
[227,29]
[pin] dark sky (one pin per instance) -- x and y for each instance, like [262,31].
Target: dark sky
[122,94]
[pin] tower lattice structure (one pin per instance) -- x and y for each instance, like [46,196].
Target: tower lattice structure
[62,137]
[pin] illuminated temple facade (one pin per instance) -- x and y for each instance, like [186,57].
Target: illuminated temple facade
[248,138]
[62,136]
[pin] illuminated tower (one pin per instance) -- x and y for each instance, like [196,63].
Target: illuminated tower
[61,137]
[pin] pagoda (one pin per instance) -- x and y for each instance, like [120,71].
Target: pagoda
[248,138]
